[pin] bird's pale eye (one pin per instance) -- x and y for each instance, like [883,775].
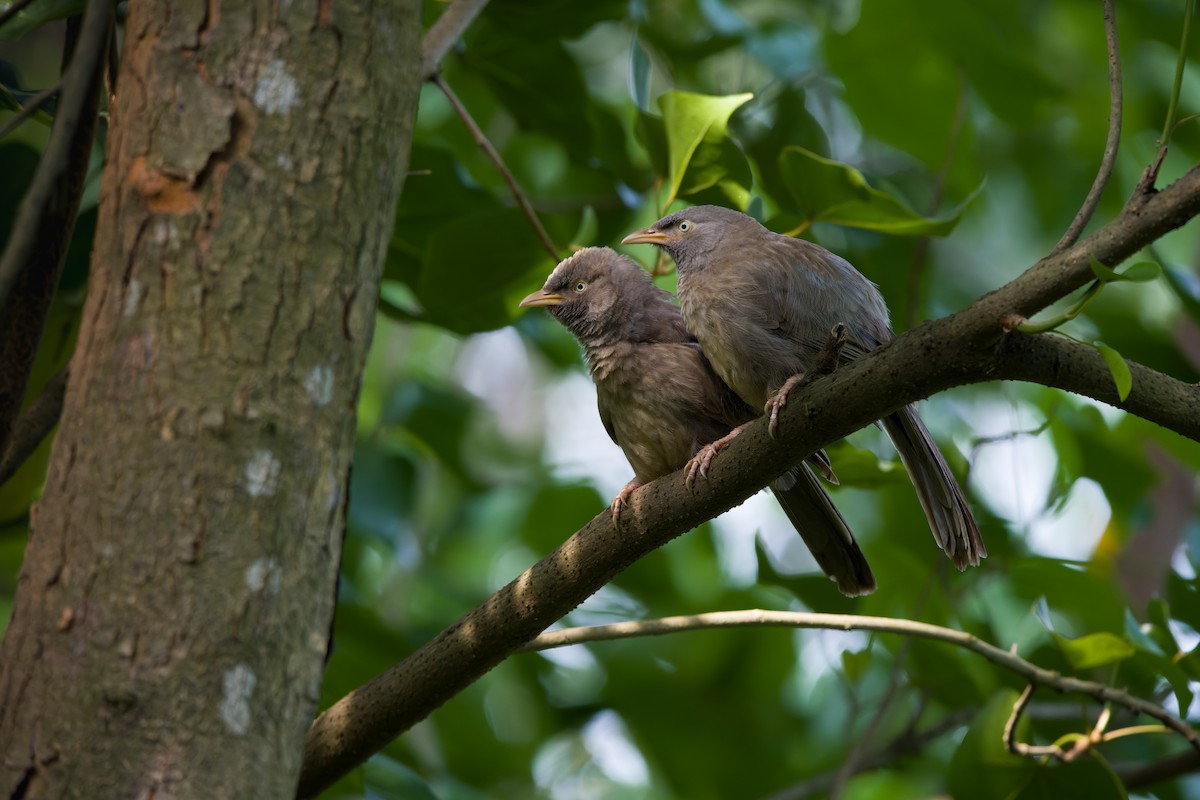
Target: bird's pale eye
[579,287]
[685,226]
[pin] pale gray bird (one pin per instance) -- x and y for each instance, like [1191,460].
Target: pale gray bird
[661,402]
[762,305]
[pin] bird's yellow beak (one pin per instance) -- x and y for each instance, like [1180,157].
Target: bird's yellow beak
[647,236]
[542,298]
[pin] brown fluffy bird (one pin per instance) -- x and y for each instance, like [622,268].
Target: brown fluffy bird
[762,305]
[661,402]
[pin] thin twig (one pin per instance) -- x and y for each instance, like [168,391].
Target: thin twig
[1150,176]
[34,425]
[494,155]
[1134,730]
[76,85]
[1180,65]
[442,35]
[1035,675]
[1115,102]
[30,108]
[33,258]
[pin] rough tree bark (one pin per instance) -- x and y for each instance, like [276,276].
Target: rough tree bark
[173,611]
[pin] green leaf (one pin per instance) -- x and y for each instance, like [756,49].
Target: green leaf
[855,665]
[1187,288]
[1122,377]
[1094,649]
[1103,273]
[690,119]
[39,13]
[477,267]
[1158,651]
[1141,272]
[639,75]
[718,173]
[863,469]
[982,768]
[1089,777]
[830,191]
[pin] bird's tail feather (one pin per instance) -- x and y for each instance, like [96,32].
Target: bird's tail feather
[950,517]
[824,531]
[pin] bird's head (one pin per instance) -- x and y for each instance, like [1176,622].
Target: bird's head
[693,232]
[595,292]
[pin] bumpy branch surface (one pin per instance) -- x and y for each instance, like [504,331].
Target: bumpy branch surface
[968,347]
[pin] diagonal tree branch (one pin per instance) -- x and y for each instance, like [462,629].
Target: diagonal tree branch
[442,35]
[966,347]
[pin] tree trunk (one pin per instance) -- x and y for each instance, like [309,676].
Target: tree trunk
[172,617]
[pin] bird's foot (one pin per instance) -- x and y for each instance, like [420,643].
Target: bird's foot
[779,400]
[618,503]
[824,364]
[830,353]
[697,467]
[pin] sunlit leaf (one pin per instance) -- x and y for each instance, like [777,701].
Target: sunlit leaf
[690,119]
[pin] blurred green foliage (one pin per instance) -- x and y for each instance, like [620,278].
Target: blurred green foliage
[869,126]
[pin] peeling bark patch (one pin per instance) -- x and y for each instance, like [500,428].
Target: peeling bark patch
[319,385]
[163,193]
[236,687]
[276,91]
[262,474]
[264,573]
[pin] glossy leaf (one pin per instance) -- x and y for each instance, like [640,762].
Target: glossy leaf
[981,768]
[825,190]
[690,119]
[477,268]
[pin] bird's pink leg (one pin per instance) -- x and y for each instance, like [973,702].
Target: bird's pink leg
[824,364]
[779,400]
[698,465]
[622,498]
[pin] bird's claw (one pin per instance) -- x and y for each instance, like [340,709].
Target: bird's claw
[697,467]
[779,400]
[622,498]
